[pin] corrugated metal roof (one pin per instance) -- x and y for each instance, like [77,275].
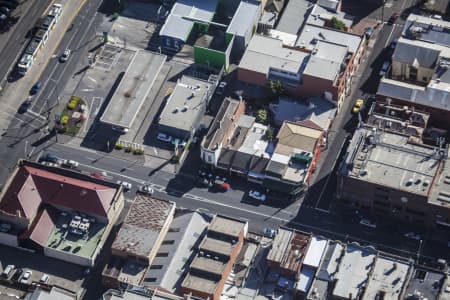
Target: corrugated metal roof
[242,21]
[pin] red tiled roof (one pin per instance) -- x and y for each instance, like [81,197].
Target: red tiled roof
[43,228]
[32,186]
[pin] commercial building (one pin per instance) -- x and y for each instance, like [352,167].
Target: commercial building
[58,212]
[183,16]
[216,256]
[294,16]
[420,69]
[185,107]
[288,252]
[427,284]
[396,175]
[138,240]
[133,89]
[213,47]
[221,130]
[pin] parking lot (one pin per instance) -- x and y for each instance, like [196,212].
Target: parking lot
[61,274]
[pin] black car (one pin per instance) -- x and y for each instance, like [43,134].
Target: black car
[24,107]
[5,10]
[17,275]
[393,18]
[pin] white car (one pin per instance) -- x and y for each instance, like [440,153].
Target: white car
[146,189]
[412,235]
[257,195]
[164,137]
[127,186]
[70,163]
[385,68]
[121,130]
[269,232]
[26,277]
[65,56]
[368,223]
[44,278]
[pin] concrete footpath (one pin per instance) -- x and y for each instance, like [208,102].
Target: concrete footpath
[16,92]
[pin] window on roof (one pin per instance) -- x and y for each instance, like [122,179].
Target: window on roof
[156,267]
[162,254]
[174,229]
[168,242]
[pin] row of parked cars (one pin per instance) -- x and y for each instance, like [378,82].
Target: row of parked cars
[21,276]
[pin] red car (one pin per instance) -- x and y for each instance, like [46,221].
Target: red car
[101,176]
[221,185]
[393,18]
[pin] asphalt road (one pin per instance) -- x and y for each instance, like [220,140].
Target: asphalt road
[32,10]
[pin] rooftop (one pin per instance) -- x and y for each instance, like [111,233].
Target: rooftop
[311,34]
[317,110]
[288,249]
[221,124]
[183,15]
[388,278]
[186,231]
[201,284]
[294,16]
[418,53]
[427,29]
[242,21]
[353,272]
[263,53]
[133,89]
[315,252]
[54,293]
[424,284]
[186,103]
[327,61]
[227,226]
[299,137]
[205,264]
[34,184]
[214,246]
[143,224]
[380,157]
[214,39]
[320,15]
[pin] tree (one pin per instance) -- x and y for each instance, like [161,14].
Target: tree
[276,87]
[261,116]
[338,24]
[269,134]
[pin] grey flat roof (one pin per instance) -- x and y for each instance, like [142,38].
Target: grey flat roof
[320,15]
[243,18]
[199,284]
[209,265]
[389,276]
[133,89]
[326,60]
[216,246]
[227,226]
[186,103]
[353,271]
[392,161]
[183,15]
[294,15]
[264,53]
[431,30]
[425,283]
[312,33]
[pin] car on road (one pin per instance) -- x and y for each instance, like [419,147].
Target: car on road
[369,32]
[65,56]
[17,275]
[393,18]
[101,175]
[221,185]
[35,88]
[26,277]
[49,164]
[68,163]
[412,235]
[126,185]
[23,108]
[8,270]
[121,130]
[368,223]
[269,232]
[164,137]
[385,68]
[221,88]
[50,157]
[393,44]
[257,195]
[146,189]
[44,278]
[359,105]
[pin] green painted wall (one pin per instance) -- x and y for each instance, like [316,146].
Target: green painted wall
[213,58]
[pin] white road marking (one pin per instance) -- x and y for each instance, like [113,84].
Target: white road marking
[36,114]
[92,79]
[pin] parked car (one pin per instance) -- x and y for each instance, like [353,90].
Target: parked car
[121,130]
[24,106]
[164,137]
[101,175]
[69,163]
[17,275]
[221,185]
[146,189]
[257,195]
[126,185]
[36,87]
[26,277]
[269,232]
[221,88]
[385,68]
[8,270]
[65,56]
[412,235]
[44,278]
[5,10]
[368,223]
[393,44]
[393,18]
[369,32]
[359,105]
[50,157]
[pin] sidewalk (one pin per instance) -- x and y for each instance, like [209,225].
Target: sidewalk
[15,93]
